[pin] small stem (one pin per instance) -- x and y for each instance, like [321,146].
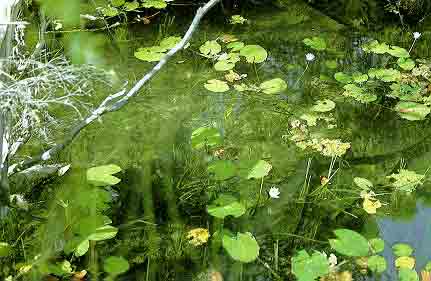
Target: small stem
[411,47]
[255,71]
[299,79]
[148,270]
[270,269]
[276,255]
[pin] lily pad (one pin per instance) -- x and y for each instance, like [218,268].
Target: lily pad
[363,183]
[150,54]
[323,106]
[210,48]
[316,43]
[375,47]
[115,265]
[157,4]
[259,170]
[273,86]
[235,46]
[386,75]
[131,6]
[405,262]
[351,90]
[222,169]
[254,53]
[82,248]
[170,42]
[103,233]
[103,175]
[359,77]
[205,136]
[402,250]
[117,3]
[226,205]
[343,78]
[408,275]
[377,264]
[412,111]
[216,86]
[406,63]
[377,245]
[242,247]
[308,268]
[349,243]
[398,52]
[331,64]
[224,65]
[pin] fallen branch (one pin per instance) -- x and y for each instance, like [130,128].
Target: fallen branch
[116,101]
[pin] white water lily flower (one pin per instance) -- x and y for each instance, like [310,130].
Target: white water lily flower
[274,192]
[416,35]
[310,57]
[332,260]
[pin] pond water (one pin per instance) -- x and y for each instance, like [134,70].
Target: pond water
[164,186]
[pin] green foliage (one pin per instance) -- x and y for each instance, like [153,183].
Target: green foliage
[343,78]
[353,91]
[402,250]
[254,53]
[226,205]
[273,86]
[349,243]
[259,170]
[115,265]
[363,183]
[386,75]
[308,268]
[408,275]
[243,247]
[210,48]
[412,111]
[237,19]
[406,180]
[103,175]
[323,106]
[377,264]
[377,245]
[156,53]
[5,249]
[157,4]
[205,137]
[222,169]
[316,43]
[216,86]
[406,63]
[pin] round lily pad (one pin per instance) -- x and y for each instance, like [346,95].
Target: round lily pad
[216,86]
[254,53]
[273,86]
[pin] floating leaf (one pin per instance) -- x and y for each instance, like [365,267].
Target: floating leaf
[259,170]
[103,175]
[226,205]
[216,86]
[198,236]
[402,250]
[405,262]
[377,264]
[242,247]
[131,6]
[235,46]
[406,180]
[170,42]
[386,75]
[82,248]
[331,64]
[349,243]
[210,48]
[224,65]
[205,136]
[405,274]
[110,11]
[103,233]
[323,106]
[254,53]
[359,77]
[315,43]
[273,86]
[115,265]
[5,249]
[358,94]
[398,52]
[377,245]
[363,183]
[308,268]
[375,47]
[406,63]
[412,111]
[342,77]
[118,3]
[222,169]
[237,19]
[157,4]
[150,54]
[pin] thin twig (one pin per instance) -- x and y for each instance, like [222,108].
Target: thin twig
[122,97]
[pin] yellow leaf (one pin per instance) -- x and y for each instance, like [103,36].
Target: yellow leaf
[198,236]
[371,206]
[405,262]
